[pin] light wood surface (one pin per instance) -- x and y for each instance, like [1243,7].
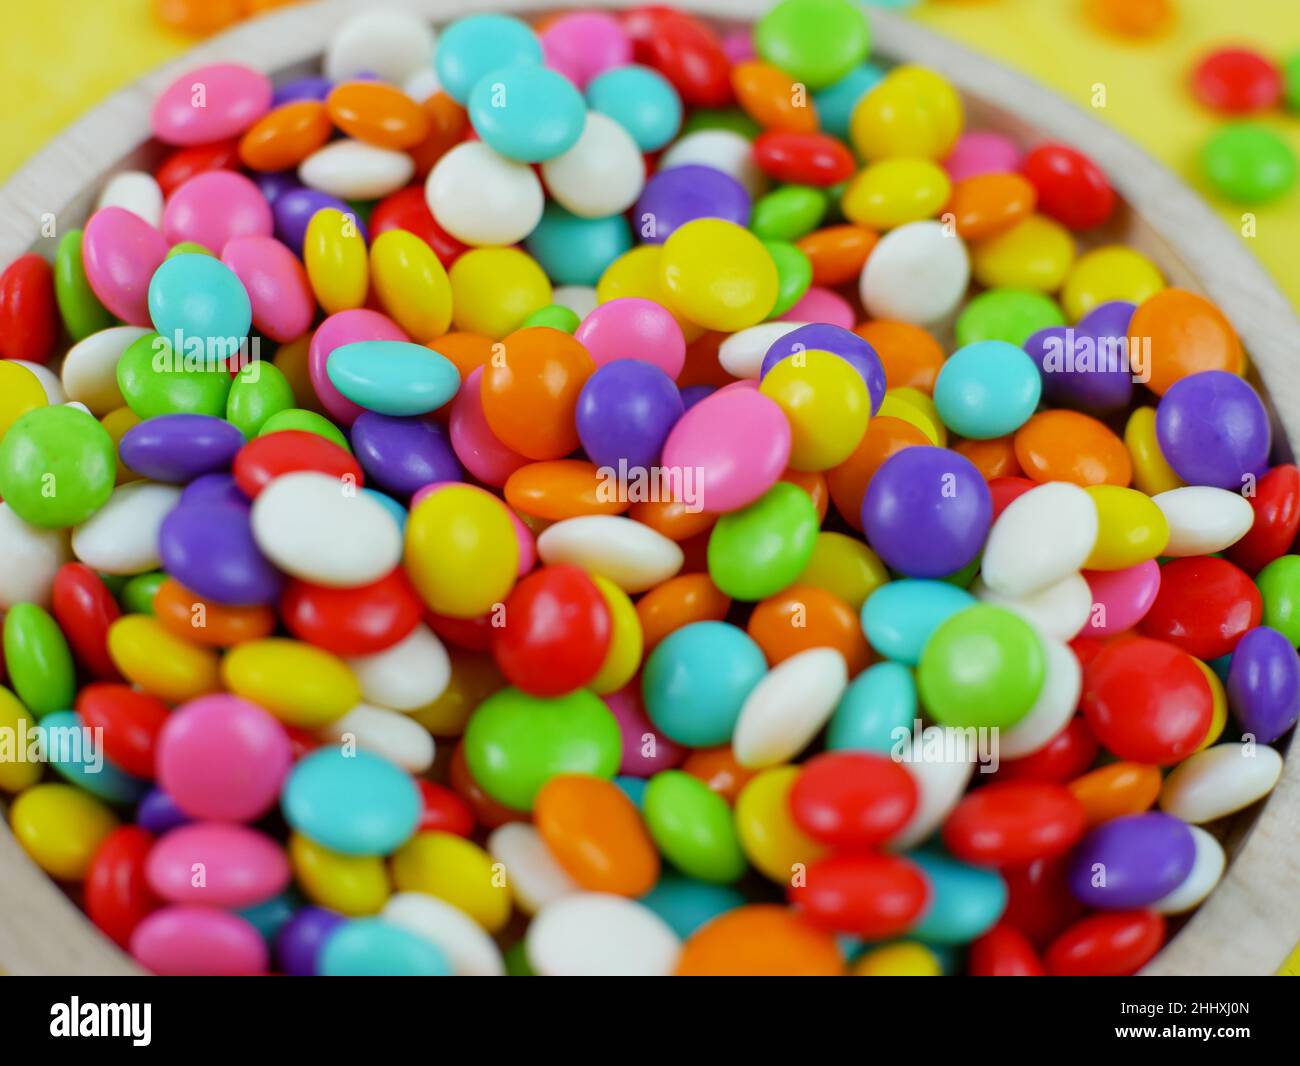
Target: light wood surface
[1251,922]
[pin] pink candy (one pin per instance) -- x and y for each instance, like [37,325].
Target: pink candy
[210,103]
[345,327]
[281,295]
[1123,596]
[978,153]
[633,328]
[646,750]
[120,252]
[199,941]
[822,305]
[215,207]
[472,439]
[217,864]
[587,43]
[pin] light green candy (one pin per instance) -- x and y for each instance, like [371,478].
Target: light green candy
[39,661]
[259,392]
[57,466]
[308,422]
[693,827]
[1248,163]
[816,42]
[1279,586]
[139,592]
[79,307]
[788,213]
[793,275]
[556,316]
[188,248]
[154,380]
[759,550]
[1011,315]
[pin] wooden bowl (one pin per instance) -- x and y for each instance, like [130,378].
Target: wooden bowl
[1251,921]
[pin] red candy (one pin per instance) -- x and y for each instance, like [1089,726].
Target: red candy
[408,209]
[487,811]
[852,798]
[1068,754]
[84,609]
[184,163]
[867,894]
[263,459]
[1004,951]
[1147,701]
[684,50]
[1276,503]
[1106,945]
[1071,188]
[352,621]
[29,322]
[803,158]
[1006,489]
[442,810]
[1237,81]
[118,897]
[1204,606]
[131,721]
[1011,823]
[1039,901]
[472,634]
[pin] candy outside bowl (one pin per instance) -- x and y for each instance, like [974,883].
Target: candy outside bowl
[1250,922]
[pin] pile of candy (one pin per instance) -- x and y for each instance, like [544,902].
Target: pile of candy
[607,435]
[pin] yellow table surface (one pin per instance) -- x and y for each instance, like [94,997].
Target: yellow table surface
[59,57]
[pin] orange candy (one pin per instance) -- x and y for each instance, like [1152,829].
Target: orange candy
[1186,334]
[448,124]
[772,99]
[1132,18]
[561,488]
[911,357]
[283,138]
[990,203]
[217,625]
[468,351]
[760,940]
[678,602]
[672,518]
[198,17]
[530,394]
[702,366]
[992,458]
[837,252]
[803,617]
[378,114]
[885,436]
[718,768]
[596,833]
[813,482]
[1118,789]
[1065,445]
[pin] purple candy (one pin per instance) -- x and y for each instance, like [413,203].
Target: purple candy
[300,939]
[209,548]
[1131,861]
[927,512]
[214,488]
[403,455]
[1213,429]
[1086,367]
[823,337]
[158,812]
[310,88]
[679,195]
[293,210]
[1108,320]
[625,412]
[693,394]
[274,184]
[179,448]
[1264,684]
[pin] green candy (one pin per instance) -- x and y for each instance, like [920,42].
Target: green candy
[816,42]
[759,550]
[556,316]
[188,248]
[138,593]
[1248,163]
[788,213]
[57,466]
[1279,585]
[39,662]
[732,119]
[516,959]
[155,381]
[793,275]
[362,209]
[515,742]
[693,827]
[259,392]
[983,667]
[1291,79]
[308,422]
[79,307]
[1011,315]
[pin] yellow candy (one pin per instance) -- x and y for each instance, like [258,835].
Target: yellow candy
[1113,272]
[1036,253]
[160,662]
[494,289]
[903,959]
[461,551]
[827,404]
[636,273]
[16,726]
[117,422]
[718,275]
[334,253]
[20,392]
[845,567]
[350,884]
[777,847]
[896,191]
[625,645]
[474,677]
[299,683]
[411,283]
[1218,706]
[915,407]
[913,112]
[1131,529]
[1151,471]
[455,870]
[61,828]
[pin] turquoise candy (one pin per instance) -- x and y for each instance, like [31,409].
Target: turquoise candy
[836,102]
[76,756]
[987,389]
[372,947]
[390,505]
[686,904]
[472,47]
[393,377]
[640,100]
[527,113]
[879,701]
[899,617]
[269,917]
[199,296]
[965,901]
[633,788]
[576,251]
[356,803]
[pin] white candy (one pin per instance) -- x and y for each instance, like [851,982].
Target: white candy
[601,175]
[90,368]
[723,150]
[137,192]
[788,707]
[1055,706]
[580,299]
[1042,537]
[1220,780]
[939,785]
[630,554]
[1060,609]
[482,198]
[593,934]
[1207,869]
[421,84]
[122,536]
[323,529]
[54,391]
[32,557]
[534,877]
[1203,520]
[391,44]
[471,952]
[411,674]
[400,740]
[741,354]
[354,170]
[917,273]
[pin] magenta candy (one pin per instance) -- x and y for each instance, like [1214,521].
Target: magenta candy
[217,864]
[277,286]
[977,152]
[822,305]
[646,750]
[476,446]
[739,46]
[584,44]
[633,328]
[215,207]
[210,104]
[120,252]
[1121,598]
[345,327]
[199,941]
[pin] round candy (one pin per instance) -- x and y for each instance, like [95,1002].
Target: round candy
[760,549]
[1205,606]
[826,402]
[633,328]
[527,112]
[474,46]
[852,799]
[1213,429]
[1264,684]
[1144,857]
[601,175]
[987,389]
[351,802]
[1248,163]
[639,99]
[626,411]
[693,827]
[393,377]
[678,195]
[1071,188]
[1237,81]
[917,274]
[718,275]
[57,466]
